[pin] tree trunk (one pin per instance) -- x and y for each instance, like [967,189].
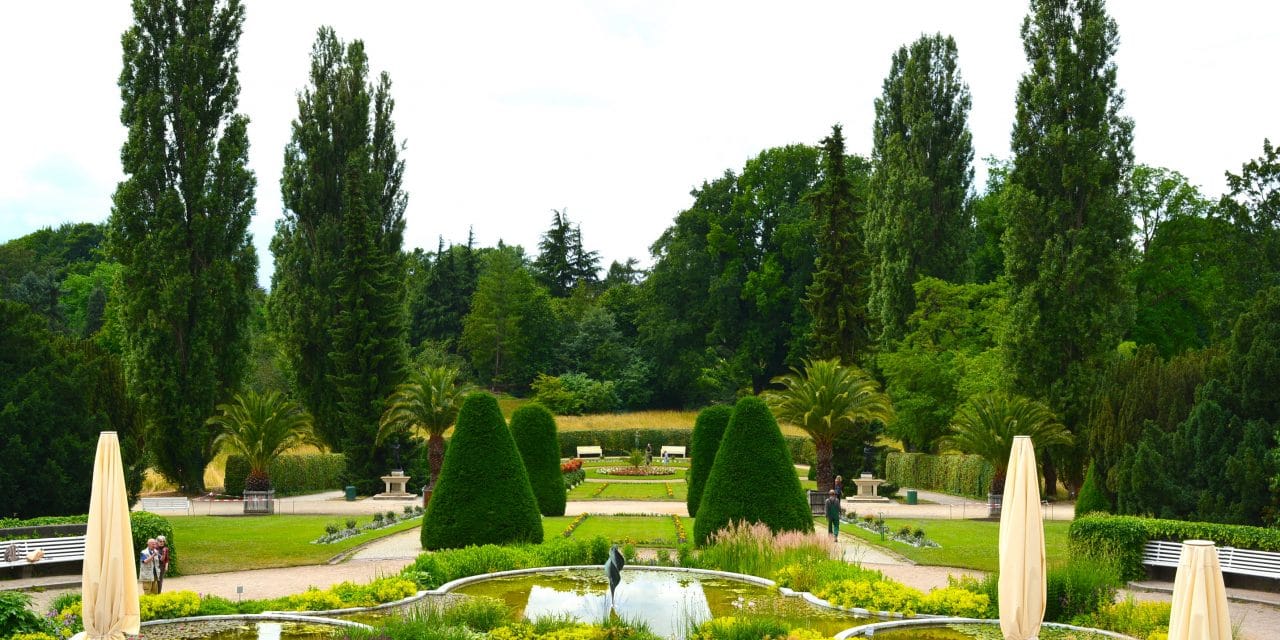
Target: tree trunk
[435,455]
[826,475]
[1050,476]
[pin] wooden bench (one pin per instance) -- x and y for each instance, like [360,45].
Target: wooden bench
[671,451]
[13,553]
[589,452]
[1263,564]
[166,504]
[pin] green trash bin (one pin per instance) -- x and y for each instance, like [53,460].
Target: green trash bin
[911,496]
[351,494]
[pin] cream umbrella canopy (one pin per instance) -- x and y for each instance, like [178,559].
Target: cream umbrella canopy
[1199,596]
[110,578]
[1022,566]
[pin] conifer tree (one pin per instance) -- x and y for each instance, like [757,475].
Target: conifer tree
[534,430]
[918,223]
[338,298]
[179,224]
[837,295]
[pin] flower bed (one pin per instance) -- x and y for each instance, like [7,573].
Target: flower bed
[568,531]
[334,533]
[906,535]
[638,471]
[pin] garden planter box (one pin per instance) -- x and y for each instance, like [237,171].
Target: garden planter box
[260,502]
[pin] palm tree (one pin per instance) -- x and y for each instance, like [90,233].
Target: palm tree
[428,402]
[261,427]
[986,425]
[825,400]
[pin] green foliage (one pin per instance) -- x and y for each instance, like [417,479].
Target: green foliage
[534,430]
[145,525]
[261,427]
[949,354]
[987,425]
[1066,244]
[1136,619]
[918,221]
[840,324]
[439,291]
[428,402]
[290,474]
[1080,587]
[1091,498]
[887,595]
[15,617]
[708,429]
[618,442]
[1124,536]
[431,570]
[179,225]
[562,262]
[337,295]
[753,549]
[1253,359]
[828,400]
[56,395]
[753,479]
[483,494]
[510,332]
[575,394]
[966,475]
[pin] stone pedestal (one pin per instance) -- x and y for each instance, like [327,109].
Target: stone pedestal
[867,486]
[396,487]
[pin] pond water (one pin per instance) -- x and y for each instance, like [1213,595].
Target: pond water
[979,632]
[667,601]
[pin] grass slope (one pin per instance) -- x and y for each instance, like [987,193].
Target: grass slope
[264,542]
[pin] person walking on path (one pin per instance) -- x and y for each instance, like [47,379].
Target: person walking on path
[833,514]
[840,487]
[162,566]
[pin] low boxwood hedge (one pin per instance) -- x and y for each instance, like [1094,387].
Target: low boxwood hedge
[1124,537]
[619,442]
[965,475]
[291,474]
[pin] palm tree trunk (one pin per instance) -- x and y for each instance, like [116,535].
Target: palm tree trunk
[1050,475]
[435,455]
[826,475]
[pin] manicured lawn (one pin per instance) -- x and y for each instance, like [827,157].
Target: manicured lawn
[643,530]
[629,491]
[593,471]
[213,544]
[970,544]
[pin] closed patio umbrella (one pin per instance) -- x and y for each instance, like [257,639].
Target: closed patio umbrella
[1199,597]
[1022,566]
[110,575]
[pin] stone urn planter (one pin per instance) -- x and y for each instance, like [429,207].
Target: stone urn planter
[260,502]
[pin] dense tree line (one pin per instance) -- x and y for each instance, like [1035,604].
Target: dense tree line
[1139,311]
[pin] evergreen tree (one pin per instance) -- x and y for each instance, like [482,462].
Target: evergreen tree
[708,429]
[918,223]
[836,297]
[179,225]
[752,479]
[1092,497]
[483,495]
[510,332]
[534,430]
[1067,240]
[338,300]
[553,267]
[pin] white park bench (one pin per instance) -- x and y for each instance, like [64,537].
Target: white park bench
[166,504]
[671,451]
[589,452]
[1264,564]
[13,553]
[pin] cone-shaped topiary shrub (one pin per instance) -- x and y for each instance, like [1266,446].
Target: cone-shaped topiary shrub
[1091,497]
[482,495]
[752,479]
[534,429]
[707,431]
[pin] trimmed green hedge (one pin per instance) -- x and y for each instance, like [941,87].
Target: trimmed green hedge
[620,442]
[291,474]
[1124,537]
[147,525]
[483,495]
[752,479]
[707,432]
[964,475]
[534,429]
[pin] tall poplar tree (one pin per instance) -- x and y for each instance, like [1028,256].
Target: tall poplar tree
[338,293]
[1068,227]
[836,296]
[918,222]
[179,224]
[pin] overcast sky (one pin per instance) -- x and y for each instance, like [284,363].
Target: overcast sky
[610,110]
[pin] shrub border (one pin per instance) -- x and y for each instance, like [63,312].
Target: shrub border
[1125,537]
